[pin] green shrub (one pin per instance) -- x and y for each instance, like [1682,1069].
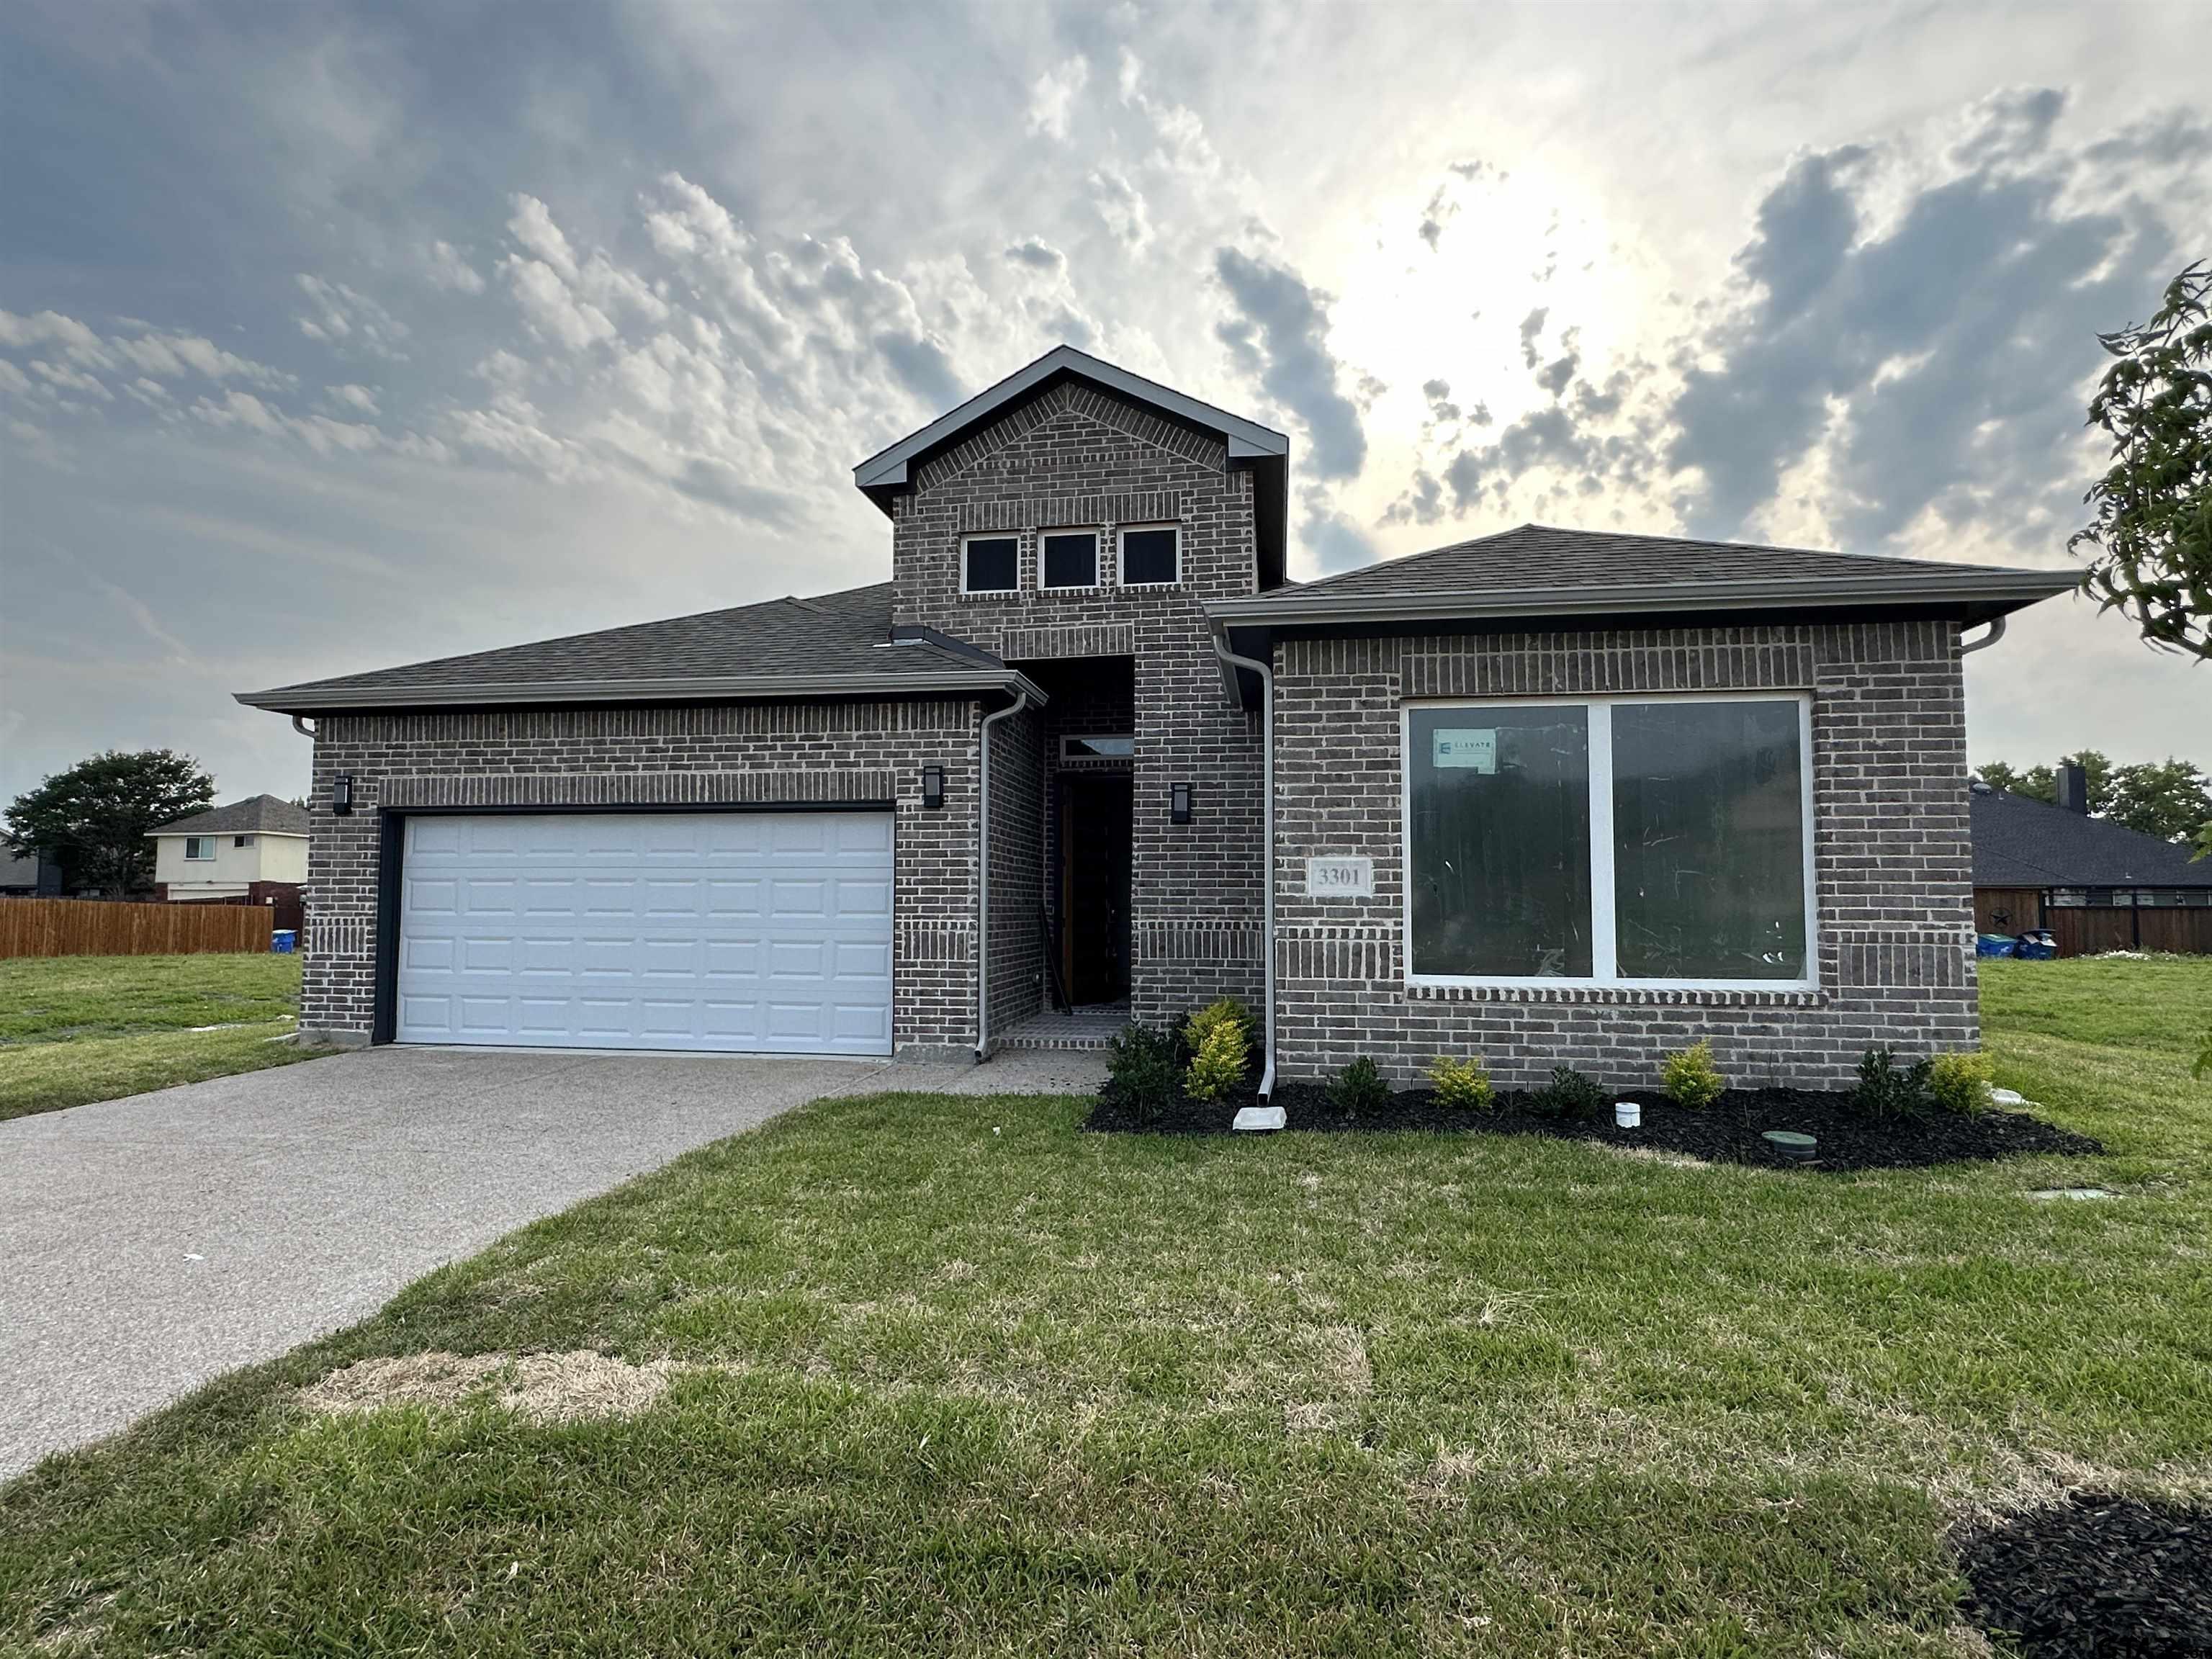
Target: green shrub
[1691,1079]
[1960,1083]
[1462,1084]
[1360,1088]
[1143,1066]
[1888,1090]
[1219,1065]
[1569,1094]
[1215,1016]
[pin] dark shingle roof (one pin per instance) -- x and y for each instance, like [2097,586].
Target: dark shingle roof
[831,644]
[261,814]
[1538,569]
[2022,842]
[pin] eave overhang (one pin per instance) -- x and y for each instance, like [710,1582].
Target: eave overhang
[1251,624]
[750,688]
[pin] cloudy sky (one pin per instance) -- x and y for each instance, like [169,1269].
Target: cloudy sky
[335,337]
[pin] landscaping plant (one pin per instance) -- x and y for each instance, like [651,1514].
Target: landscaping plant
[1888,1090]
[1691,1079]
[1960,1083]
[1227,1013]
[1462,1084]
[1143,1066]
[1219,1065]
[1569,1094]
[1360,1088]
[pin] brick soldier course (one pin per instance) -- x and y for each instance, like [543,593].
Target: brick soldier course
[845,699]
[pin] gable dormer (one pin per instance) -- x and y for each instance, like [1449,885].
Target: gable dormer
[1075,491]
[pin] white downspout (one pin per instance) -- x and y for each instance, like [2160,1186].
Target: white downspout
[1267,840]
[1996,632]
[983,882]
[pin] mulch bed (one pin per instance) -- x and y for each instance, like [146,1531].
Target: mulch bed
[1730,1131]
[2115,1578]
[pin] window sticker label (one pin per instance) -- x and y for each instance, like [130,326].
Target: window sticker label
[1471,749]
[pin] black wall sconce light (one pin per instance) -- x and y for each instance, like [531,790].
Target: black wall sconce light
[342,793]
[1179,803]
[932,787]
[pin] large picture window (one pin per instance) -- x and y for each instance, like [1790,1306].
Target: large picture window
[1629,840]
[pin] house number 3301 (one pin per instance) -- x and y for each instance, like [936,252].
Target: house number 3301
[1341,879]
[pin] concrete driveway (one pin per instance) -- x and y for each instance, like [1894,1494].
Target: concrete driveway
[149,1244]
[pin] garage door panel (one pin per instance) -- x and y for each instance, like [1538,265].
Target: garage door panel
[763,932]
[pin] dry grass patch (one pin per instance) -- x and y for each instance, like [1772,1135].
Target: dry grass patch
[546,1387]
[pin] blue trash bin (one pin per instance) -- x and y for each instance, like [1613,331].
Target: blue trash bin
[282,939]
[1994,945]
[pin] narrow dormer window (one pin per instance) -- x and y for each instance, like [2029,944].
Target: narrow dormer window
[1070,558]
[990,564]
[1151,556]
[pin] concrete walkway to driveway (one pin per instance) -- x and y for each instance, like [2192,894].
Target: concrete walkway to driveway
[150,1244]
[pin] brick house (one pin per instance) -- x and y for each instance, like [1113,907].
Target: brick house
[1551,794]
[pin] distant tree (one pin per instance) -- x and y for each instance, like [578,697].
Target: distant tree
[2169,798]
[96,815]
[2152,529]
[2040,782]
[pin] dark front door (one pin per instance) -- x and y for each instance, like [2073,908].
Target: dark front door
[1095,819]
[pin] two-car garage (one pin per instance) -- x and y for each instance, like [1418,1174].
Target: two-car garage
[739,932]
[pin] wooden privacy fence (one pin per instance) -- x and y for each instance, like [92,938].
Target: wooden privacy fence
[93,927]
[2086,930]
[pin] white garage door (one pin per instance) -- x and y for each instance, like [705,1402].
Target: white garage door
[744,932]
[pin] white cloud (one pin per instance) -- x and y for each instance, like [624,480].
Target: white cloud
[354,396]
[78,343]
[1052,99]
[1121,208]
[446,269]
[532,226]
[63,377]
[343,317]
[551,311]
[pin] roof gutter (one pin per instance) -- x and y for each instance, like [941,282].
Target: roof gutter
[1292,606]
[769,688]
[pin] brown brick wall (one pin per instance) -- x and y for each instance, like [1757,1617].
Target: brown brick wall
[1891,851]
[1078,458]
[759,754]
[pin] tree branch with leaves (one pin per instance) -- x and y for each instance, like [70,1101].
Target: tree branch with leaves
[2153,529]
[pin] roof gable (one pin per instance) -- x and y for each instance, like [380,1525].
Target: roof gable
[892,472]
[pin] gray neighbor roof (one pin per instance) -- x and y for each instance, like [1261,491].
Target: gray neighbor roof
[255,815]
[2020,841]
[1537,571]
[835,644]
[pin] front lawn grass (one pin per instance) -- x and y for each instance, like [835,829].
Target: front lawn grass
[971,1382]
[79,1029]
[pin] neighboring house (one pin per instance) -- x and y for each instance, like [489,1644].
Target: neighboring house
[1555,795]
[2096,885]
[251,851]
[29,873]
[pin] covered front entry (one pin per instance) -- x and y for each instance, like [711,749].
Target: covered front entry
[742,932]
[1094,840]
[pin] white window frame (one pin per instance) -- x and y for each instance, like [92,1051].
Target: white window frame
[1098,560]
[1605,970]
[207,842]
[241,840]
[1013,536]
[1121,535]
